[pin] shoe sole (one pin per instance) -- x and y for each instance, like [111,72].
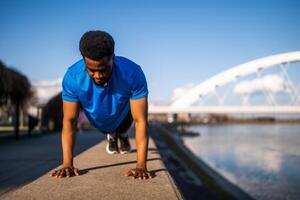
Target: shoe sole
[125,152]
[110,152]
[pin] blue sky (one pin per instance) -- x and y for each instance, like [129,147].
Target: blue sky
[175,42]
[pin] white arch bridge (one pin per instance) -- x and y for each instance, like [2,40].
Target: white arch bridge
[186,102]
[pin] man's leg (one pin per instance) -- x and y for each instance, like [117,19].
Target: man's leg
[122,133]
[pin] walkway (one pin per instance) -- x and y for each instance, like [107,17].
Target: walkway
[28,163]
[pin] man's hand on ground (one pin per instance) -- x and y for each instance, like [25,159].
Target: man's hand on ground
[140,173]
[65,172]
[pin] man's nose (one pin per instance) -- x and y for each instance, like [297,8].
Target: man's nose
[98,75]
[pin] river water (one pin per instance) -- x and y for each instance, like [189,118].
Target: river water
[262,159]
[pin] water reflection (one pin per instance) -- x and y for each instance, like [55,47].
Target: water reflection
[264,160]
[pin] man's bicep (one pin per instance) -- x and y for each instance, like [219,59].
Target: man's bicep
[70,110]
[139,109]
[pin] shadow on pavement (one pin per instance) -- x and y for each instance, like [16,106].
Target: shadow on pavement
[27,159]
[153,172]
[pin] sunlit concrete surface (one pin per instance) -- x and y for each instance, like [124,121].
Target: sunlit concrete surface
[102,175]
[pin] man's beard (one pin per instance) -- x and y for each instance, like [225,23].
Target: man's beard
[102,82]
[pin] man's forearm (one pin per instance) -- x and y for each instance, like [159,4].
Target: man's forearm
[68,140]
[142,139]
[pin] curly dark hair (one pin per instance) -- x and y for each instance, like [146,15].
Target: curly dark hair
[96,45]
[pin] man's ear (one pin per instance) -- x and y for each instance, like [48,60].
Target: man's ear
[112,57]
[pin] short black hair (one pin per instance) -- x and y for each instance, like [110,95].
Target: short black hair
[96,45]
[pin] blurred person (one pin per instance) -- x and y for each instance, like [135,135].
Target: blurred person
[32,116]
[32,123]
[112,91]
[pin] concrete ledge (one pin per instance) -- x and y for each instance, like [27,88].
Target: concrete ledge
[102,177]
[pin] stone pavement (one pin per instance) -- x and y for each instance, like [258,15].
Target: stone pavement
[102,175]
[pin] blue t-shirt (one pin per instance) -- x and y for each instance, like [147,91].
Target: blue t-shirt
[105,107]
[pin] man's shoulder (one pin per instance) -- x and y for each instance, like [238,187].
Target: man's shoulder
[126,63]
[76,68]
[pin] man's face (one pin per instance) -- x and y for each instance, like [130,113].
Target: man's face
[99,70]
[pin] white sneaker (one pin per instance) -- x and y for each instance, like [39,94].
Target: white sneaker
[112,144]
